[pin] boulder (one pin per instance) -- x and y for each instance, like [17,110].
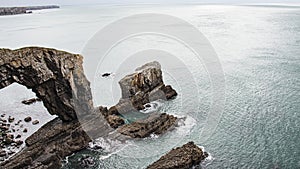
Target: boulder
[31,101]
[35,122]
[184,157]
[27,119]
[156,123]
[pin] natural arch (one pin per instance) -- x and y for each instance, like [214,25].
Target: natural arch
[56,77]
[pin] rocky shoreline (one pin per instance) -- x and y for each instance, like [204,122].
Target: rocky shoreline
[57,78]
[23,10]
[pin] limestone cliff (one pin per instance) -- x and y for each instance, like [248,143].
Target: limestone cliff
[56,77]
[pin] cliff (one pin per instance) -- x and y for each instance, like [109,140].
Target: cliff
[57,78]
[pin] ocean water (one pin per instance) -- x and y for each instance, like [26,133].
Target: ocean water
[258,48]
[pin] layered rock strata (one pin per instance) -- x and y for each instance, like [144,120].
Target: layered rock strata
[185,157]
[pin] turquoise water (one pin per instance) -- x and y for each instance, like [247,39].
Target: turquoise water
[259,49]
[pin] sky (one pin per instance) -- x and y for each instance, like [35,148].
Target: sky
[76,2]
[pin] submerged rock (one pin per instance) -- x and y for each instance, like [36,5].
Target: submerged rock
[184,157]
[155,124]
[86,162]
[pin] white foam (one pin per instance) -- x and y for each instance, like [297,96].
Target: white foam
[110,146]
[154,107]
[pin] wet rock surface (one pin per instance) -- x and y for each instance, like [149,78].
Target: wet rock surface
[155,124]
[184,157]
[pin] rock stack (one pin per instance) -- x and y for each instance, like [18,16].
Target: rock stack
[138,89]
[184,157]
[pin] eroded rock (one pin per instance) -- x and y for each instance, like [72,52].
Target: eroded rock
[155,124]
[138,89]
[184,157]
[58,79]
[49,145]
[112,116]
[143,86]
[55,76]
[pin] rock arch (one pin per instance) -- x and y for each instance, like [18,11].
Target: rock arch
[57,77]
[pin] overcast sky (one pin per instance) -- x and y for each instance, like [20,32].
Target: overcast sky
[75,2]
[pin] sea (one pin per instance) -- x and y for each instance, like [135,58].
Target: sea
[254,123]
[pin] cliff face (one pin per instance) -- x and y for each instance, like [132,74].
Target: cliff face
[56,77]
[143,86]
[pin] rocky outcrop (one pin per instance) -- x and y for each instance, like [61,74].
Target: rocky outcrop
[56,77]
[155,124]
[58,80]
[49,145]
[112,116]
[184,157]
[23,10]
[143,86]
[138,89]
